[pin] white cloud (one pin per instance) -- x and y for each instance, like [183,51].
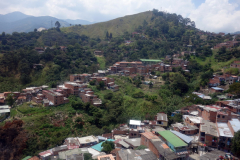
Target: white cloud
[217,15]
[212,15]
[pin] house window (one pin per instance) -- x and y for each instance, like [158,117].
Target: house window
[223,116]
[218,116]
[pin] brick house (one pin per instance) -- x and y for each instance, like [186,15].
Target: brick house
[174,143]
[216,90]
[208,112]
[106,80]
[233,106]
[235,64]
[54,98]
[99,53]
[185,129]
[228,44]
[192,120]
[208,133]
[74,87]
[225,136]
[161,119]
[214,82]
[146,137]
[234,125]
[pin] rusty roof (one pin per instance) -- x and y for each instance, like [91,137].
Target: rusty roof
[149,135]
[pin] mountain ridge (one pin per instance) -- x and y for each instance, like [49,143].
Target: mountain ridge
[20,22]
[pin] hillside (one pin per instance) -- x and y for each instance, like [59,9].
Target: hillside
[116,26]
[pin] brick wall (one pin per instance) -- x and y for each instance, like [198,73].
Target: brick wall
[144,141]
[153,149]
[108,135]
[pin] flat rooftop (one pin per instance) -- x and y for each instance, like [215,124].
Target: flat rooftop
[194,119]
[224,130]
[235,123]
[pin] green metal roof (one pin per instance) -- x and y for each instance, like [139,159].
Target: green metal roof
[26,158]
[172,138]
[150,60]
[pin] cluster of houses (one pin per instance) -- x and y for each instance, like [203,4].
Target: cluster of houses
[207,126]
[228,44]
[214,124]
[145,66]
[78,86]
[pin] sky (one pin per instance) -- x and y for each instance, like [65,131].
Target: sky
[209,15]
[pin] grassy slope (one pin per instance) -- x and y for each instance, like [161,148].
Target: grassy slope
[116,27]
[216,66]
[102,62]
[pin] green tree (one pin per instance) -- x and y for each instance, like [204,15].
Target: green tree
[101,85]
[3,34]
[93,82]
[10,100]
[4,41]
[107,35]
[235,89]
[141,147]
[35,30]
[177,118]
[110,36]
[108,146]
[87,156]
[179,84]
[57,24]
[137,82]
[235,148]
[150,85]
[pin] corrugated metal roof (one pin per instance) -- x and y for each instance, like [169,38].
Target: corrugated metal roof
[162,117]
[172,138]
[194,119]
[135,142]
[209,128]
[124,144]
[224,130]
[235,123]
[185,138]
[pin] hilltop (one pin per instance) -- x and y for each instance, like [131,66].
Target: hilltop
[116,26]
